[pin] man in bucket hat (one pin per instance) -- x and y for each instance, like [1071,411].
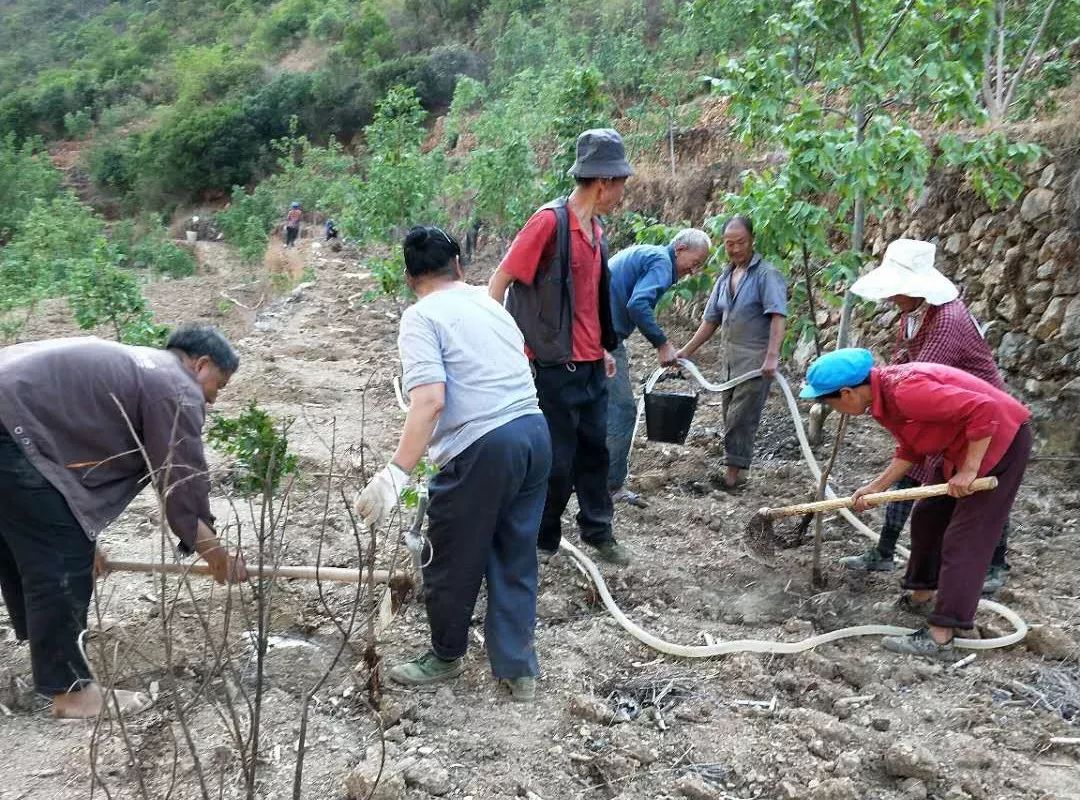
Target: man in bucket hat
[935,327]
[975,430]
[556,284]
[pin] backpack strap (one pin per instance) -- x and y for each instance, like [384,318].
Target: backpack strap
[562,244]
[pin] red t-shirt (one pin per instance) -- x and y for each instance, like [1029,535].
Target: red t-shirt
[932,408]
[535,245]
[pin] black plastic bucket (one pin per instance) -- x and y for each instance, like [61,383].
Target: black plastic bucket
[668,416]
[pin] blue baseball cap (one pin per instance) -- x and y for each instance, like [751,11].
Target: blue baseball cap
[840,369]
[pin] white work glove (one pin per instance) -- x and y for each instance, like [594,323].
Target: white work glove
[381,494]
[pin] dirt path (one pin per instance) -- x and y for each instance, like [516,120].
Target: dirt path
[845,721]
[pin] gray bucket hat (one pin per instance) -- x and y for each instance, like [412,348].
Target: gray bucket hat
[600,154]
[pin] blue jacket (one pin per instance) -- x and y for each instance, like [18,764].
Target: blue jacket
[639,277]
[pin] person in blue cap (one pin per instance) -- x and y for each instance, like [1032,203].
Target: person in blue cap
[978,430]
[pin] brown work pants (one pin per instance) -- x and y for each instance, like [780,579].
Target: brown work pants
[952,541]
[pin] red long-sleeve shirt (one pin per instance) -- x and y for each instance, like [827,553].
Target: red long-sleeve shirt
[933,408]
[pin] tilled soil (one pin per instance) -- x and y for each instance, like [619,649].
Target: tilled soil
[613,718]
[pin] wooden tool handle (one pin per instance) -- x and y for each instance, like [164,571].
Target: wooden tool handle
[875,499]
[328,574]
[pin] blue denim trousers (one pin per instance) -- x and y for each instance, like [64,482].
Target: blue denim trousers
[621,416]
[483,520]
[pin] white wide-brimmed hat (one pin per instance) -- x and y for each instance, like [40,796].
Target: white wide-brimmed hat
[907,268]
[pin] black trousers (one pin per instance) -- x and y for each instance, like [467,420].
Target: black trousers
[46,571]
[574,399]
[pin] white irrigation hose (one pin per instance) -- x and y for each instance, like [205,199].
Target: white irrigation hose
[1020,627]
[765,646]
[584,563]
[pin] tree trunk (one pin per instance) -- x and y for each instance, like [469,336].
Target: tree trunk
[858,228]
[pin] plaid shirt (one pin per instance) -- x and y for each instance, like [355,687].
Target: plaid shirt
[948,334]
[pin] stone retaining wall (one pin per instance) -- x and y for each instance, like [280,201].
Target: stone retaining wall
[1019,272]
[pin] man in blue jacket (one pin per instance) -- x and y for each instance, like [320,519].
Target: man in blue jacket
[639,277]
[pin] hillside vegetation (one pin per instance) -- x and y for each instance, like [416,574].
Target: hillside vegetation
[334,103]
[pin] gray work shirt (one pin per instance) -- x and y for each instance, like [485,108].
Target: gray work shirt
[746,318]
[463,338]
[68,404]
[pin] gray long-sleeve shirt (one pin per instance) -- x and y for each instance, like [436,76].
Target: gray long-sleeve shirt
[745,319]
[68,404]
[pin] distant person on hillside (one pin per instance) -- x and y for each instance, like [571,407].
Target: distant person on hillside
[473,407]
[556,284]
[935,327]
[331,230]
[639,277]
[748,305]
[81,420]
[292,224]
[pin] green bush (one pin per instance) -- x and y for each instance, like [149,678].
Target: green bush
[207,74]
[389,274]
[286,23]
[101,292]
[367,37]
[114,165]
[77,124]
[445,66]
[248,219]
[162,256]
[400,181]
[194,150]
[26,176]
[260,447]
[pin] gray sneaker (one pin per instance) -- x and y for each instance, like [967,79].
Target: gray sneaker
[426,669]
[995,580]
[612,552]
[522,690]
[624,495]
[921,643]
[870,561]
[905,605]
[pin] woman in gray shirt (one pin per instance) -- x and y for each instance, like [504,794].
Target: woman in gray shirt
[473,406]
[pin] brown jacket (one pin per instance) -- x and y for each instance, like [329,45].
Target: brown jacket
[73,405]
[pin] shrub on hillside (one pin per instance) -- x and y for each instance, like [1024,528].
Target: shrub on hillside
[101,292]
[113,165]
[248,219]
[26,176]
[196,149]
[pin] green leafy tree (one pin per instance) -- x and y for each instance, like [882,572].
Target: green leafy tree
[248,219]
[101,292]
[26,176]
[400,181]
[838,87]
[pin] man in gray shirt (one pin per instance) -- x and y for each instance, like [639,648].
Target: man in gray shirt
[85,424]
[748,305]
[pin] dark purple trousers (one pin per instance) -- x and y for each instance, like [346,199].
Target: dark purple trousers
[952,541]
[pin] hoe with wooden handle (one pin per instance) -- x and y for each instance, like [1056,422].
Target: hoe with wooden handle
[759,537]
[310,573]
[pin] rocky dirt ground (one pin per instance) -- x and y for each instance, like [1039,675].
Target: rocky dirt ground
[613,718]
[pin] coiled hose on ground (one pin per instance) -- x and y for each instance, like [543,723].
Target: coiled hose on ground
[1020,627]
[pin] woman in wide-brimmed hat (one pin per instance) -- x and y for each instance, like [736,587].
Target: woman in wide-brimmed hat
[936,327]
